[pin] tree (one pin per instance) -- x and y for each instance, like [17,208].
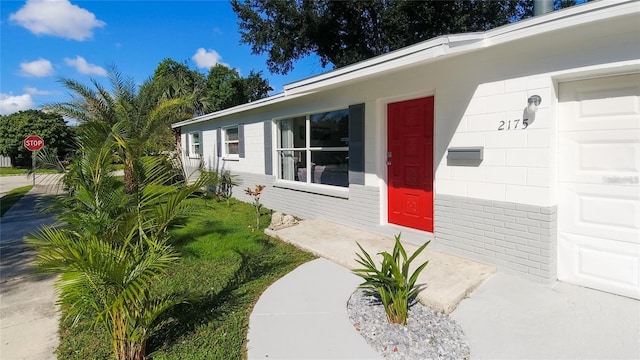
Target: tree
[51,127]
[345,32]
[113,246]
[172,80]
[221,89]
[140,118]
[225,87]
[254,87]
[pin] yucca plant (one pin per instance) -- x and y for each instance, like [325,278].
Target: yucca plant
[392,281]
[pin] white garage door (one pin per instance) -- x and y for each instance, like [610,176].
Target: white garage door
[599,174]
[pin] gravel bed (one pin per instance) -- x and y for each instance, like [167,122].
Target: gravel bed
[428,334]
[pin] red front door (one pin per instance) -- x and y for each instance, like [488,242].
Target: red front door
[410,163]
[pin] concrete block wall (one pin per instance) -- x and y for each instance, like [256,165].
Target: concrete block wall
[359,210]
[517,165]
[253,145]
[254,151]
[518,239]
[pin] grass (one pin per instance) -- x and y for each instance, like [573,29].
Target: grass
[12,197]
[226,265]
[18,171]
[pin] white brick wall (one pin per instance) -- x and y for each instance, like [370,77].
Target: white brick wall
[506,139]
[253,162]
[515,159]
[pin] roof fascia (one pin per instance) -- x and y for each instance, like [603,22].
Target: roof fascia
[236,109]
[456,44]
[427,49]
[562,19]
[437,49]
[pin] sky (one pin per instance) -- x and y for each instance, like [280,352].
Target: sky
[42,41]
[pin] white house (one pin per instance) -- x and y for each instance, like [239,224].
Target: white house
[518,147]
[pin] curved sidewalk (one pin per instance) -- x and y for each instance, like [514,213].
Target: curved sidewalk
[304,316]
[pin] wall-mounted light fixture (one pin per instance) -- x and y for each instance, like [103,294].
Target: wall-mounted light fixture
[533,103]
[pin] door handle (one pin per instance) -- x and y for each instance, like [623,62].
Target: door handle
[388,163]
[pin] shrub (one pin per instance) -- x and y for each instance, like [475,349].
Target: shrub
[392,281]
[222,188]
[255,195]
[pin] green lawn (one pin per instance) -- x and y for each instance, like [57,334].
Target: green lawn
[16,171]
[226,265]
[12,197]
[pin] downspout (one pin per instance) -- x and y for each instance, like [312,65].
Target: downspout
[542,7]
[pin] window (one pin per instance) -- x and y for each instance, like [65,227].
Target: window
[194,144]
[315,148]
[231,141]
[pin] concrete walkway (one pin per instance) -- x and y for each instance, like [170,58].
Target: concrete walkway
[10,182]
[29,319]
[303,315]
[512,318]
[447,279]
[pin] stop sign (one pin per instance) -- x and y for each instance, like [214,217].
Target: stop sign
[33,142]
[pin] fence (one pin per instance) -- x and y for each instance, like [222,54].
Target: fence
[5,161]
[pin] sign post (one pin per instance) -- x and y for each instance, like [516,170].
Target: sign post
[33,143]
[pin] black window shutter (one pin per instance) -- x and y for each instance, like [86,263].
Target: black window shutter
[187,144]
[241,140]
[268,149]
[219,142]
[356,144]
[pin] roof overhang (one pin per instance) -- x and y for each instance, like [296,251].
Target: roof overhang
[438,49]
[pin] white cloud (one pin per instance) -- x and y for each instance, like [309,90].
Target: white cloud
[38,68]
[35,91]
[83,67]
[10,104]
[207,59]
[57,18]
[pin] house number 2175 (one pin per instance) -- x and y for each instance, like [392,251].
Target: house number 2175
[513,124]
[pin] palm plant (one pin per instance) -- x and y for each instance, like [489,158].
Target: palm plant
[392,282]
[142,120]
[113,246]
[111,280]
